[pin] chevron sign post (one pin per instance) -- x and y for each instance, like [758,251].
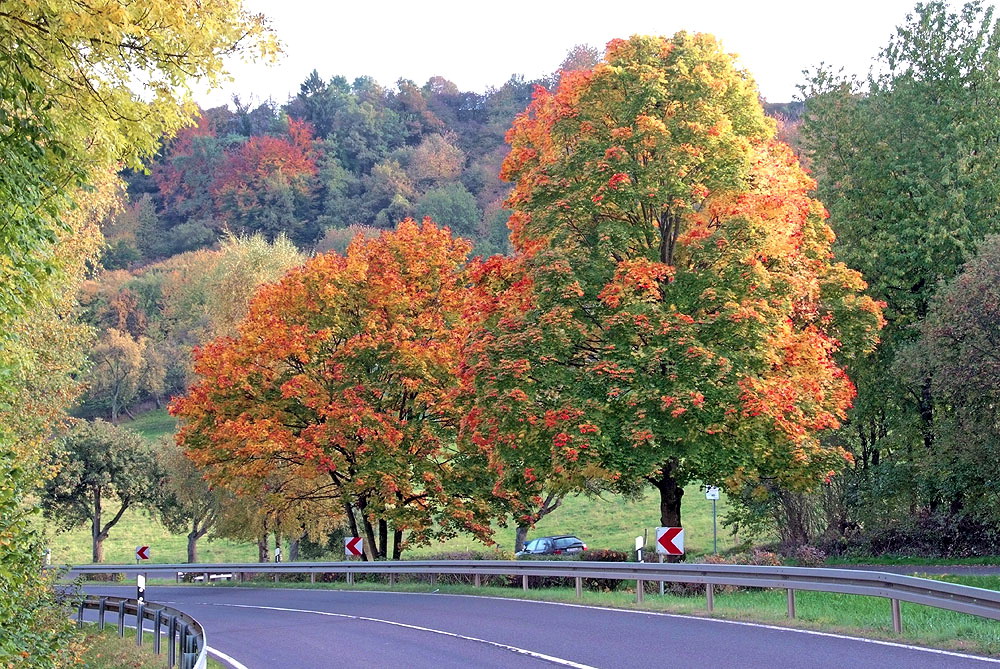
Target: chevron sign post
[670,540]
[353,546]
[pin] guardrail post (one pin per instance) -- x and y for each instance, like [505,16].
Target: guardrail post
[140,610]
[897,617]
[579,586]
[207,578]
[183,645]
[79,616]
[100,613]
[171,641]
[350,578]
[710,596]
[188,648]
[275,575]
[791,603]
[312,578]
[157,627]
[524,581]
[477,580]
[640,588]
[392,579]
[121,619]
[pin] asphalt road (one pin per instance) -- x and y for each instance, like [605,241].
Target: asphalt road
[313,629]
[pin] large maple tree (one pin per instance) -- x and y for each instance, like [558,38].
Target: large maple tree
[676,315]
[344,377]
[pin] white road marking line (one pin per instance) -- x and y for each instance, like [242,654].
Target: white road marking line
[234,663]
[513,649]
[721,621]
[832,635]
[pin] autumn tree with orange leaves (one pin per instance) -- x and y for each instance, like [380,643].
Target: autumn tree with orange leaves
[343,379]
[677,316]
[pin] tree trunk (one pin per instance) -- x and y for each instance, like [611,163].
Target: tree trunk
[383,537]
[193,546]
[263,555]
[671,492]
[520,534]
[372,550]
[293,550]
[97,542]
[397,540]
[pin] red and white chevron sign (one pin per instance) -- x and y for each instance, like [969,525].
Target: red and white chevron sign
[142,552]
[353,546]
[670,540]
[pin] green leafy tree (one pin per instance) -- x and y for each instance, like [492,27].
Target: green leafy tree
[454,206]
[70,108]
[906,161]
[189,504]
[959,349]
[104,470]
[43,355]
[676,316]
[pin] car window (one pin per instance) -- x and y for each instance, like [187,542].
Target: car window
[567,542]
[534,545]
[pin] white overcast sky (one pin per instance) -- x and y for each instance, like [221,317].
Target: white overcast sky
[481,44]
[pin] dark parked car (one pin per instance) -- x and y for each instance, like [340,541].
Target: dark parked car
[563,544]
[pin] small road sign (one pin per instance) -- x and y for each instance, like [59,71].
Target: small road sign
[142,552]
[670,540]
[712,492]
[353,546]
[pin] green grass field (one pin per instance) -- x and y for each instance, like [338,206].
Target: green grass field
[601,523]
[153,424]
[606,522]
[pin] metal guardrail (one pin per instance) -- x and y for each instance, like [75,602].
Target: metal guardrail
[894,587]
[185,637]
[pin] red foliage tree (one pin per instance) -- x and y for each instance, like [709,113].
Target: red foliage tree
[343,378]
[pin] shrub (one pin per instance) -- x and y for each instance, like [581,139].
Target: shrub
[808,556]
[603,555]
[498,580]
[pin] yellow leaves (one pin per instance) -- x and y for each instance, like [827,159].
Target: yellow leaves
[159,45]
[653,129]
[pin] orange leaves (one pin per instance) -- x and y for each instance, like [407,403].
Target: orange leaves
[636,280]
[804,390]
[345,373]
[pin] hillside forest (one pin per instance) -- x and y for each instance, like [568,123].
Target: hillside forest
[412,312]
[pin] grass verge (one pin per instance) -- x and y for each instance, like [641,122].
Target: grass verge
[904,560]
[104,649]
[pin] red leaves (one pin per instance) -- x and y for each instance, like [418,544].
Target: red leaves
[619,180]
[347,366]
[635,280]
[654,183]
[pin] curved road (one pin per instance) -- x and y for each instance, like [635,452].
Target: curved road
[312,629]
